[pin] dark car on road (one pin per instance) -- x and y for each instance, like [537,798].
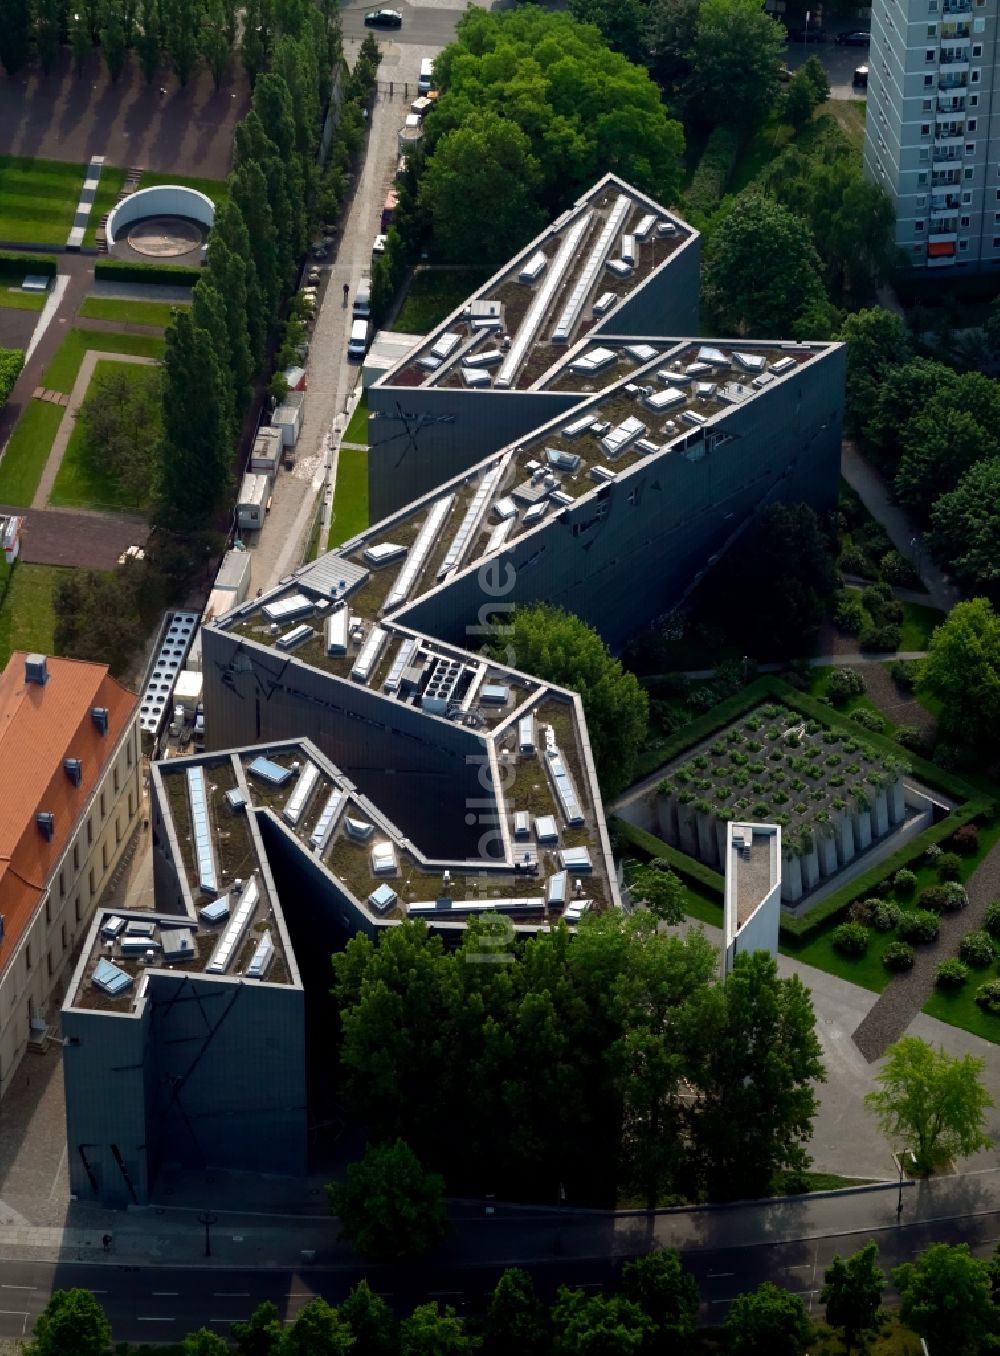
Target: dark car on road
[384,18]
[856,39]
[806,35]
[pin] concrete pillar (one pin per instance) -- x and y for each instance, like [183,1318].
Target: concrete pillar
[666,807]
[791,880]
[721,825]
[862,827]
[828,864]
[880,814]
[810,869]
[846,849]
[897,802]
[687,833]
[706,839]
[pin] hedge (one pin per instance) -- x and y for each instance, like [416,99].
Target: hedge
[16,266]
[686,867]
[702,726]
[708,183]
[11,362]
[157,275]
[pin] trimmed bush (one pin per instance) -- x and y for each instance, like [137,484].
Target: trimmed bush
[160,275]
[919,926]
[951,974]
[849,615]
[965,841]
[911,738]
[977,949]
[883,638]
[868,719]
[11,362]
[934,897]
[14,266]
[988,996]
[896,569]
[886,915]
[708,183]
[955,896]
[843,684]
[898,956]
[862,911]
[991,919]
[876,595]
[933,852]
[850,939]
[854,561]
[949,866]
[905,881]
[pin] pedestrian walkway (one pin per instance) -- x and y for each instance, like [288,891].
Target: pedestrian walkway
[908,541]
[84,207]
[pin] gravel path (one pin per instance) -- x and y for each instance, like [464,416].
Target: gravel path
[899,708]
[905,995]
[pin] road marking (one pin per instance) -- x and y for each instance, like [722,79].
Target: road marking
[18,1287]
[716,1275]
[154,1318]
[227,1320]
[231,1294]
[162,1294]
[800,1266]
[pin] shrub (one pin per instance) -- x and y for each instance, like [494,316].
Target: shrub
[902,673]
[862,911]
[886,915]
[882,638]
[934,897]
[955,896]
[932,853]
[976,948]
[876,596]
[708,183]
[868,719]
[949,866]
[919,926]
[965,840]
[854,561]
[991,919]
[11,362]
[850,939]
[844,683]
[988,996]
[905,881]
[911,738]
[849,615]
[14,266]
[896,569]
[898,956]
[163,275]
[951,974]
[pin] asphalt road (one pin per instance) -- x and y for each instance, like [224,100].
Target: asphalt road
[427,27]
[162,1304]
[838,62]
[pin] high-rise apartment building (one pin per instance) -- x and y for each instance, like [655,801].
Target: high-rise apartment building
[932,135]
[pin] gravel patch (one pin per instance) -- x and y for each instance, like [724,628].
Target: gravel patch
[897,706]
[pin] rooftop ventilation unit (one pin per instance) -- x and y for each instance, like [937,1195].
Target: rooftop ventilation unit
[216,912]
[370,651]
[297,636]
[204,848]
[460,908]
[561,498]
[426,539]
[526,734]
[382,898]
[112,927]
[487,357]
[694,418]
[617,439]
[269,771]
[618,267]
[750,362]
[577,427]
[299,799]
[236,800]
[546,830]
[593,361]
[704,390]
[603,304]
[99,715]
[138,946]
[505,508]
[763,380]
[262,957]
[557,890]
[665,400]
[641,353]
[646,446]
[46,824]
[575,859]
[336,632]
[73,769]
[475,377]
[666,228]
[562,783]
[178,944]
[384,859]
[645,226]
[587,277]
[470,523]
[327,821]
[226,946]
[533,515]
[288,609]
[384,553]
[713,356]
[534,268]
[140,927]
[359,829]
[446,345]
[782,365]
[628,250]
[494,694]
[575,911]
[602,474]
[400,664]
[500,534]
[36,669]
[543,299]
[696,369]
[110,979]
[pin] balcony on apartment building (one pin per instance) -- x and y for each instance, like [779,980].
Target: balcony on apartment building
[949,133]
[942,203]
[951,31]
[957,7]
[954,60]
[945,178]
[950,103]
[956,81]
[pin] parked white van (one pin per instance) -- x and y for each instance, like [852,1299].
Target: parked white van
[357,345]
[426,80]
[363,300]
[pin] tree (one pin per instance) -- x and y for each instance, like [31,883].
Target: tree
[71,1324]
[939,445]
[256,38]
[215,40]
[261,1333]
[480,191]
[48,20]
[149,39]
[560,648]
[800,99]
[430,1332]
[767,1321]
[946,1298]
[962,670]
[931,1101]
[79,39]
[228,251]
[666,1293]
[852,1293]
[194,452]
[661,891]
[754,1099]
[965,526]
[227,275]
[204,1342]
[120,423]
[761,269]
[181,20]
[319,1330]
[516,1319]
[599,1325]
[877,342]
[813,68]
[903,392]
[390,1208]
[621,21]
[113,38]
[371,1322]
[15,34]
[667,40]
[735,57]
[98,616]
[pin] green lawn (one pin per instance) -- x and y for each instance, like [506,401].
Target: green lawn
[350,499]
[13,299]
[433,295]
[357,429]
[212,188]
[839,119]
[128,312]
[27,618]
[111,183]
[27,452]
[961,1009]
[38,199]
[81,483]
[867,971]
[918,623]
[65,366]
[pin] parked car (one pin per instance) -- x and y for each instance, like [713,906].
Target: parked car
[379,246]
[855,39]
[384,18]
[784,74]
[860,77]
[806,35]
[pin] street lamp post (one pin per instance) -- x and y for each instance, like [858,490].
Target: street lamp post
[915,553]
[899,1164]
[208,1219]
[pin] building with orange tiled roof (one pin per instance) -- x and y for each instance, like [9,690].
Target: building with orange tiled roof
[69,758]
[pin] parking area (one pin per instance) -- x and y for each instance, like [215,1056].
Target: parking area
[838,62]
